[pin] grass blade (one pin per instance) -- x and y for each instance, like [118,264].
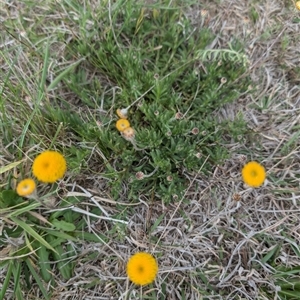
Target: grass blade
[55,82]
[43,257]
[37,279]
[39,97]
[20,211]
[33,233]
[17,288]
[6,281]
[10,166]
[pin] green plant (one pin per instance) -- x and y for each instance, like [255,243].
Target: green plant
[286,280]
[172,84]
[39,246]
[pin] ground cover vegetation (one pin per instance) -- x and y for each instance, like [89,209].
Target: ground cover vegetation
[133,165]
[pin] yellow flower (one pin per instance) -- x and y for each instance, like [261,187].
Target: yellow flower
[254,174]
[26,187]
[297,4]
[122,124]
[49,166]
[142,268]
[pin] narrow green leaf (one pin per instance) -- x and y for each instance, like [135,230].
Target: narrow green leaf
[60,235]
[64,266]
[284,272]
[291,141]
[90,237]
[156,223]
[20,211]
[296,249]
[55,242]
[268,256]
[44,74]
[63,225]
[6,280]
[205,280]
[293,244]
[38,281]
[40,96]
[290,287]
[17,288]
[32,232]
[10,166]
[55,82]
[43,261]
[289,294]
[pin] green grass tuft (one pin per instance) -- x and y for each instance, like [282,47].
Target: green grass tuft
[156,56]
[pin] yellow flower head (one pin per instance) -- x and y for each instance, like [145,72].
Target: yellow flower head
[297,4]
[142,268]
[49,166]
[26,187]
[254,174]
[122,124]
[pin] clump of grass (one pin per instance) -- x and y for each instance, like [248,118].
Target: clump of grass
[166,74]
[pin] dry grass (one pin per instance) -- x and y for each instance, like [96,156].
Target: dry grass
[224,233]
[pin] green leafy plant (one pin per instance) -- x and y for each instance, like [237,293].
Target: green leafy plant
[172,82]
[41,246]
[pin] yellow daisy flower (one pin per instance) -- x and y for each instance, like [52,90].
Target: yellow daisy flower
[142,268]
[253,174]
[122,124]
[26,187]
[49,166]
